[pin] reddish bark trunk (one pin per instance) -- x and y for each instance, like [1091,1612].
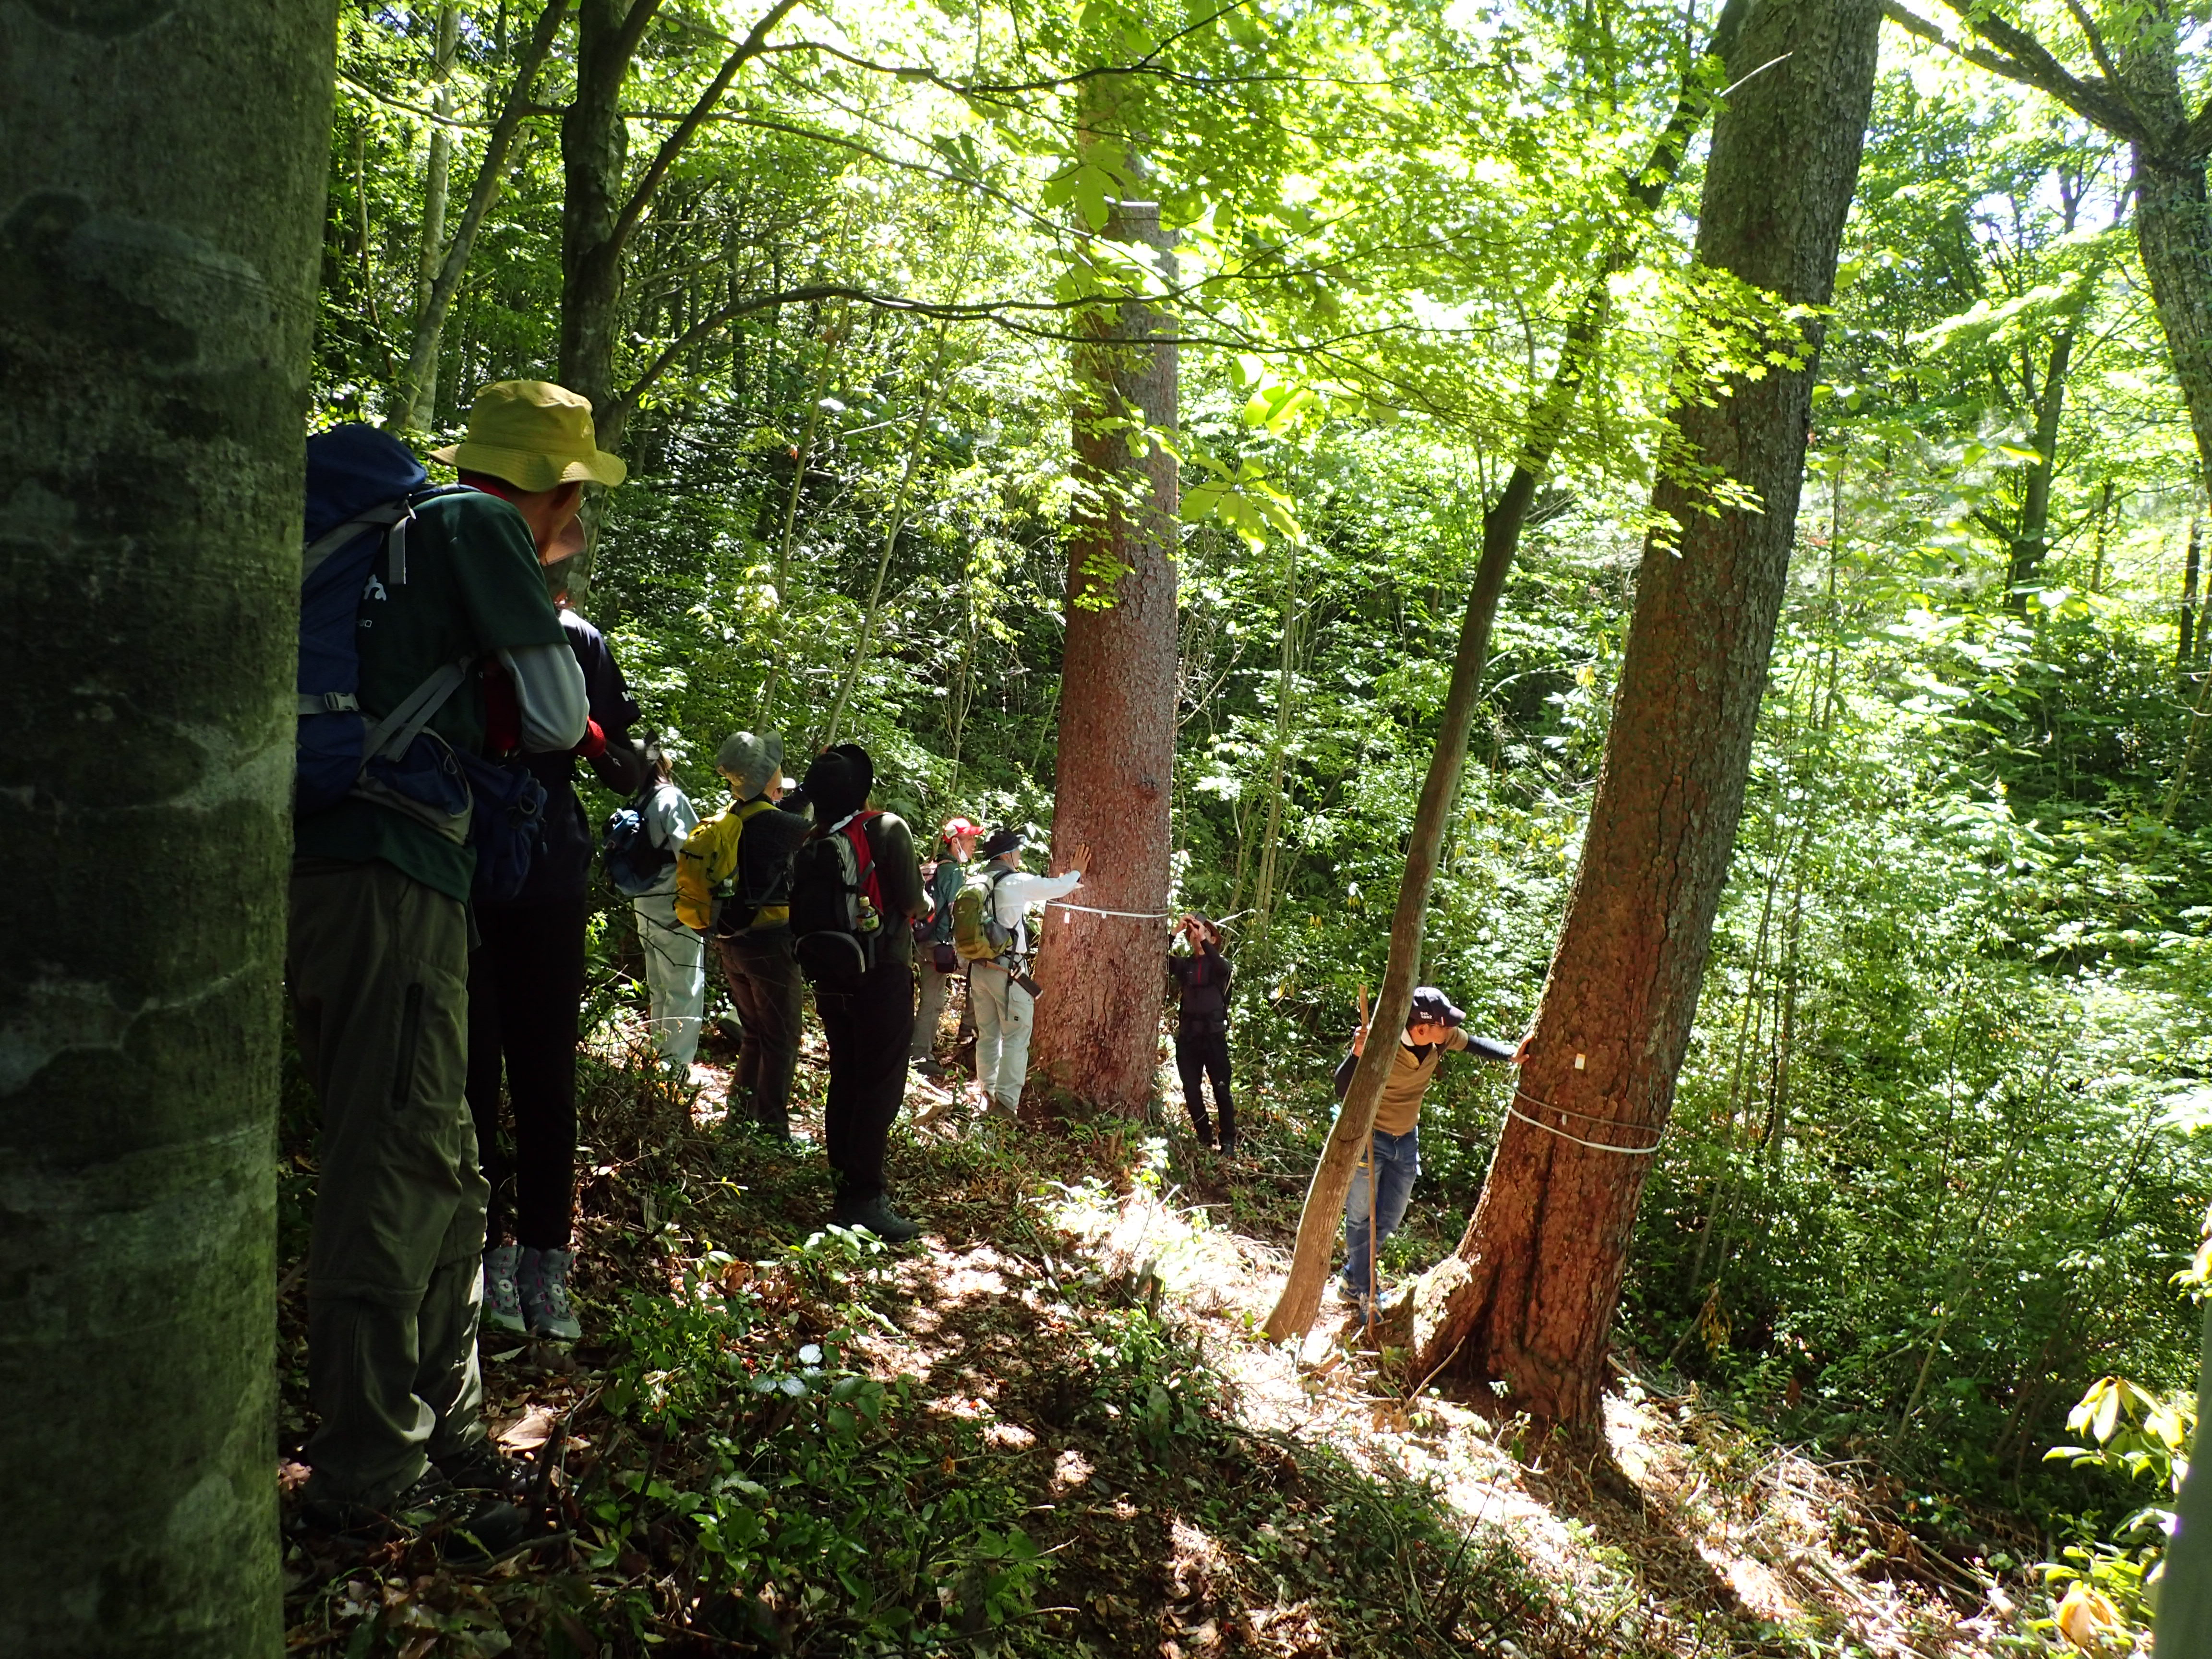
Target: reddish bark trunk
[1528,1299]
[1099,1022]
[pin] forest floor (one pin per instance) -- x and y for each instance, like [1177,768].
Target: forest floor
[1052,1427]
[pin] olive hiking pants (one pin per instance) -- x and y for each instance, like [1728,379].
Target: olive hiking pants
[378,967]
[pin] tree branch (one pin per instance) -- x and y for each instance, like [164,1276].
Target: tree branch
[631,35]
[421,110]
[427,326]
[2018,56]
[674,144]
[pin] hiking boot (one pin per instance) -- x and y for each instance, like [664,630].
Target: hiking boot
[1227,1147]
[543,1284]
[928,1067]
[470,1527]
[502,1302]
[483,1467]
[876,1217]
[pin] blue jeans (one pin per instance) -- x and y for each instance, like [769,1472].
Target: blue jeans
[1397,1162]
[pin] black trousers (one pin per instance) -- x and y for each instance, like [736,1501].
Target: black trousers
[764,985]
[1201,1054]
[525,985]
[869,1027]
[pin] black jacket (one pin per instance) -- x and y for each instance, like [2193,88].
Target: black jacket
[1202,980]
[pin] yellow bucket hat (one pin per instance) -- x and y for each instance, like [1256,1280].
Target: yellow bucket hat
[534,434]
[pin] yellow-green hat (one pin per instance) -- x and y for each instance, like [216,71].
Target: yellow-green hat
[534,434]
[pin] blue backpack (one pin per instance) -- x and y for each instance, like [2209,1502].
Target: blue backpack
[633,863]
[363,489]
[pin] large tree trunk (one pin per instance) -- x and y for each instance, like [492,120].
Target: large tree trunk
[1529,1297]
[161,178]
[1502,522]
[2173,231]
[1098,1039]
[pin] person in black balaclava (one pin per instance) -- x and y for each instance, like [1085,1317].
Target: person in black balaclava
[868,1021]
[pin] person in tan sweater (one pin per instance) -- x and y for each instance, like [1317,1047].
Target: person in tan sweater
[1379,1195]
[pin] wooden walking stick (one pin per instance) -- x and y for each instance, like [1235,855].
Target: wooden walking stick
[1373,1244]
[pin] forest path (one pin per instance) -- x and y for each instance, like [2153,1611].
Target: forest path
[1079,1328]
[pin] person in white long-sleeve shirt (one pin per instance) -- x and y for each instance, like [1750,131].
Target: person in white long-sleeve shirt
[1004,1011]
[674,955]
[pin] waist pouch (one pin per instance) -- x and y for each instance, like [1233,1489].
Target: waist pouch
[1200,1025]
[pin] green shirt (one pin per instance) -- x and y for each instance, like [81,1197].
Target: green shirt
[473,587]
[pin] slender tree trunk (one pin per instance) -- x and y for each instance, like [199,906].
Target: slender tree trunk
[414,402]
[1528,1299]
[1114,766]
[163,171]
[1263,890]
[895,525]
[801,460]
[594,153]
[602,209]
[421,396]
[2034,542]
[1501,524]
[2185,654]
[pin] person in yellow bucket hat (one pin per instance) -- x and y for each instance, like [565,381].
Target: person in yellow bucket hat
[535,437]
[377,961]
[532,444]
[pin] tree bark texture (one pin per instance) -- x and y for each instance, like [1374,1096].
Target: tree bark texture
[594,152]
[1529,1297]
[1098,1032]
[161,182]
[2173,230]
[1503,523]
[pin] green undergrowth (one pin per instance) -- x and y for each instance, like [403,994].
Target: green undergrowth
[783,1438]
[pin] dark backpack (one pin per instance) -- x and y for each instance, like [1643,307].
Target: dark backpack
[836,903]
[632,862]
[363,488]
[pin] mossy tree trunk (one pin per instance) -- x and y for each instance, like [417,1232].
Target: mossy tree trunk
[1529,1297]
[161,178]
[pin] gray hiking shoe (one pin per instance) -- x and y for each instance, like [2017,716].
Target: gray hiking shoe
[542,1283]
[502,1302]
[876,1217]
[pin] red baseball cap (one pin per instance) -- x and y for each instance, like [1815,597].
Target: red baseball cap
[963,827]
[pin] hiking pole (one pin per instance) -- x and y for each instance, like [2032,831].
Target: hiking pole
[1374,1244]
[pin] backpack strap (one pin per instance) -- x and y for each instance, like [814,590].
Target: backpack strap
[381,516]
[854,829]
[391,735]
[1016,935]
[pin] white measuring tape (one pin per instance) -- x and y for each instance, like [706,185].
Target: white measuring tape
[1088,910]
[1594,1145]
